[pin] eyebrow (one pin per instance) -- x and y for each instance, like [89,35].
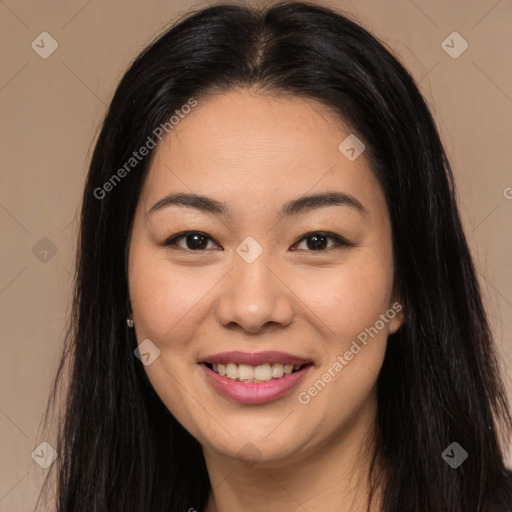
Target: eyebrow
[296,206]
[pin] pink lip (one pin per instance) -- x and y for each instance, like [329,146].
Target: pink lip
[254,359]
[255,392]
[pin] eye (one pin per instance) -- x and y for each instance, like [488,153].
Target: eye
[318,241]
[194,240]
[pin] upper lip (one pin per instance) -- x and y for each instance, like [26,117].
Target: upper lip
[255,358]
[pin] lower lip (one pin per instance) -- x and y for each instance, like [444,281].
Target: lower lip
[255,392]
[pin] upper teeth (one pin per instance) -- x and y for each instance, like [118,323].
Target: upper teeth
[246,372]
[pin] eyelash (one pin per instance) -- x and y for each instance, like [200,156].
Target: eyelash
[339,242]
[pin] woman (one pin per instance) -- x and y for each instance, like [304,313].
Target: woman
[275,306]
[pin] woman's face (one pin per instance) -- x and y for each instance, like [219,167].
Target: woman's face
[261,286]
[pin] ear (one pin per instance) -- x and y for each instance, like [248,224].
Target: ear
[396,312]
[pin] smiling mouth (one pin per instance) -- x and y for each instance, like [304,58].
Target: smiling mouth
[260,373]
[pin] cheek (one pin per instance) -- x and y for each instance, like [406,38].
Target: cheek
[165,298]
[167,308]
[349,303]
[352,298]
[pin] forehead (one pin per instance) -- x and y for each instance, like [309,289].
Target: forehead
[243,148]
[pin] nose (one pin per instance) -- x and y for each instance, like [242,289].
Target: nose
[255,297]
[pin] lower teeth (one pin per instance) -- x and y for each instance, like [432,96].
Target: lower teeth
[254,380]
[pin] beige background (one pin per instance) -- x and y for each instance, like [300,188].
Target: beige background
[51,110]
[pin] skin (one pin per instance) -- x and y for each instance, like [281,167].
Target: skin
[255,152]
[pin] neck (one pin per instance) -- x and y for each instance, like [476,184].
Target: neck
[333,476]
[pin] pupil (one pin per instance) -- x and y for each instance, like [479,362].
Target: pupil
[318,242]
[197,238]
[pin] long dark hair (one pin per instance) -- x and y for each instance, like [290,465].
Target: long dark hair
[119,447]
